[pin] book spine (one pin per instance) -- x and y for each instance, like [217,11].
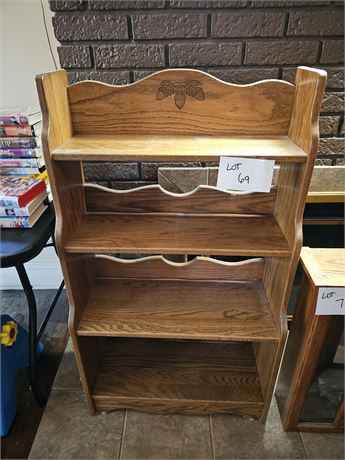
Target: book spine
[20,153]
[8,171]
[18,142]
[14,120]
[13,131]
[10,212]
[14,222]
[20,163]
[9,202]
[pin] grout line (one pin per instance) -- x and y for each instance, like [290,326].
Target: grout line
[212,437]
[303,445]
[123,435]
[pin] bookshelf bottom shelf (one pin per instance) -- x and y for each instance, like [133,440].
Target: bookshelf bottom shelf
[178,376]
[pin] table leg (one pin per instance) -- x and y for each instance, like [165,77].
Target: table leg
[33,372]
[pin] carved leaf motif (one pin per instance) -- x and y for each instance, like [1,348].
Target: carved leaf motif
[165,89]
[160,95]
[181,90]
[180,100]
[197,93]
[194,83]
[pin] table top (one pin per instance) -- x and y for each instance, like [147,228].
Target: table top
[19,245]
[324,266]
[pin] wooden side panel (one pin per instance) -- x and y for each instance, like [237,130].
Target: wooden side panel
[153,198]
[200,268]
[293,185]
[181,102]
[66,180]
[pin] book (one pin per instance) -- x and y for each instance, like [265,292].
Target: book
[19,142]
[20,116]
[23,221]
[20,153]
[26,210]
[21,162]
[8,171]
[21,131]
[18,192]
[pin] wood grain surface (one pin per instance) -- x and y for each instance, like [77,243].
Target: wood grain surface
[134,147]
[179,115]
[170,376]
[247,236]
[223,108]
[324,266]
[178,309]
[154,199]
[200,268]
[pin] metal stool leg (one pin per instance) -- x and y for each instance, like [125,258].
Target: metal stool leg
[33,373]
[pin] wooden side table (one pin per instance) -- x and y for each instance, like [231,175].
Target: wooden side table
[310,388]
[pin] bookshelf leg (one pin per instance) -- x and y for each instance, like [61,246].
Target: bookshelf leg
[33,372]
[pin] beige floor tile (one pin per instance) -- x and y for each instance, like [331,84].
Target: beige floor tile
[323,445]
[68,375]
[237,437]
[175,436]
[67,430]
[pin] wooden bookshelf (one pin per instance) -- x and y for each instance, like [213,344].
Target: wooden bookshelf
[201,336]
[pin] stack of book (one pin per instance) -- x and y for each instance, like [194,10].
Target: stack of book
[22,169]
[20,144]
[22,201]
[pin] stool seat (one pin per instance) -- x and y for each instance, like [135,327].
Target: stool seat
[21,245]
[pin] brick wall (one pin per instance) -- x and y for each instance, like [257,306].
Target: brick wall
[239,41]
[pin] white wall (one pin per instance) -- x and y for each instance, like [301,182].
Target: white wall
[25,32]
[24,49]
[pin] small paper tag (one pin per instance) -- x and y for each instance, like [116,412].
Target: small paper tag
[245,174]
[330,301]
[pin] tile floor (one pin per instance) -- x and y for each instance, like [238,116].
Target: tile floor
[67,431]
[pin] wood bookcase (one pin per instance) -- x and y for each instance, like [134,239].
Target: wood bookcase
[203,336]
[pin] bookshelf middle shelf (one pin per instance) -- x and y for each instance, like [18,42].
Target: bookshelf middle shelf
[178,234]
[178,309]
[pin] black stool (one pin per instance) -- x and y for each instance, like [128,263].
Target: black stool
[17,247]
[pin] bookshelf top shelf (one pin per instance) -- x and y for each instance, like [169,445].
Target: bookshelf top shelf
[176,148]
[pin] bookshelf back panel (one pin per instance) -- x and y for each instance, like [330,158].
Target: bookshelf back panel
[183,102]
[154,199]
[157,267]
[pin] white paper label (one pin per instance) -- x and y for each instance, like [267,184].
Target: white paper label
[245,174]
[330,301]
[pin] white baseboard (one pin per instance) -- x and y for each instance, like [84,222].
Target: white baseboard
[44,272]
